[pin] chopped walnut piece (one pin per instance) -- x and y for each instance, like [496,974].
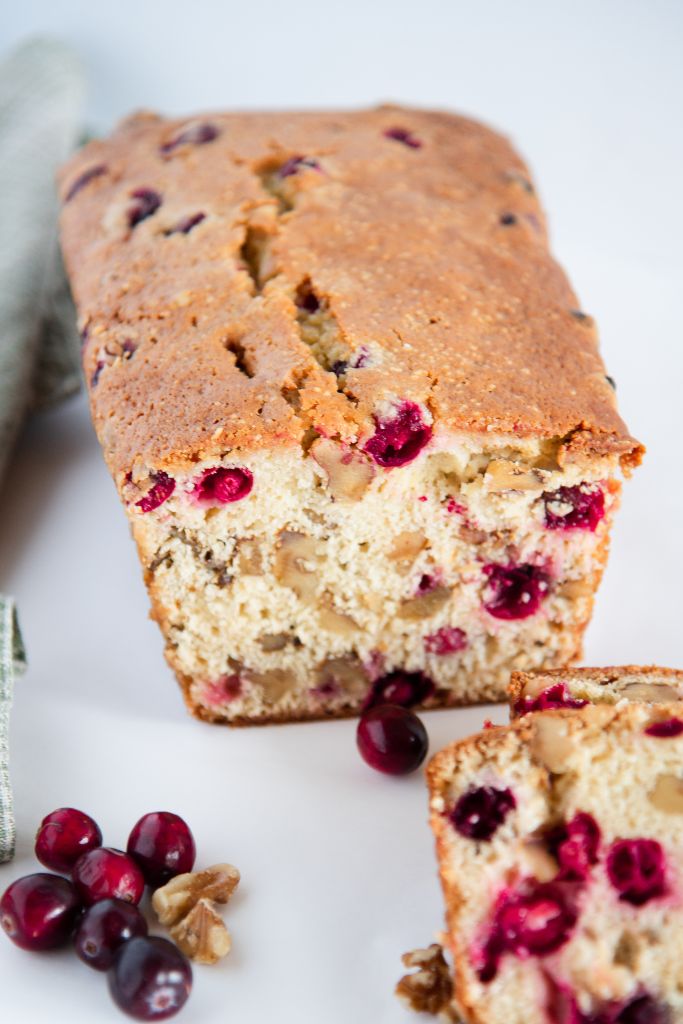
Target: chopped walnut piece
[295,564]
[349,473]
[177,898]
[502,475]
[201,935]
[429,989]
[424,605]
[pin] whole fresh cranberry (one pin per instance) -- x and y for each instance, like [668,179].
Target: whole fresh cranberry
[404,688]
[399,439]
[108,874]
[636,869]
[39,911]
[392,739]
[645,1010]
[555,696]
[150,979]
[480,812]
[160,491]
[574,508]
[103,928]
[63,836]
[162,844]
[222,486]
[515,591]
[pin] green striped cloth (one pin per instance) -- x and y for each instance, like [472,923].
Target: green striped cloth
[41,101]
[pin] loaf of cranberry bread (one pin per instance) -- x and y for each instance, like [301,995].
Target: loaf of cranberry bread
[359,424]
[560,843]
[576,687]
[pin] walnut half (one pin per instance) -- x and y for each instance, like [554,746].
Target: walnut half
[429,989]
[202,935]
[178,897]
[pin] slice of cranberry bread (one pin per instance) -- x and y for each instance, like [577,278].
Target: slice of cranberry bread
[560,846]
[576,687]
[360,427]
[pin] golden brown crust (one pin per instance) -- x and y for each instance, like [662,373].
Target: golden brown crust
[464,313]
[519,681]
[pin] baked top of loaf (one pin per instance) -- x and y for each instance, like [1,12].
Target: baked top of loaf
[542,828]
[245,279]
[574,687]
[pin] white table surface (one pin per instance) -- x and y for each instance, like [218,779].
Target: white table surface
[339,875]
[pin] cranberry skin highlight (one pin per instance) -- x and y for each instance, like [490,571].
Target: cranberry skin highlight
[108,874]
[63,836]
[104,927]
[163,846]
[150,979]
[39,911]
[392,739]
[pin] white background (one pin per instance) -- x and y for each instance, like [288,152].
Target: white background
[339,876]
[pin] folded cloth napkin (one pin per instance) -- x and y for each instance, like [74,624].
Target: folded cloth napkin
[41,103]
[12,662]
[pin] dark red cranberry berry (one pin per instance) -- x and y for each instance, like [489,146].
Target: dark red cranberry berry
[222,486]
[403,135]
[150,979]
[536,920]
[84,179]
[479,813]
[160,491]
[397,441]
[146,202]
[447,640]
[666,729]
[63,836]
[392,739]
[108,874]
[162,845]
[576,846]
[185,224]
[636,869]
[103,928]
[404,688]
[645,1010]
[508,219]
[555,696]
[296,164]
[574,508]
[39,911]
[515,591]
[194,135]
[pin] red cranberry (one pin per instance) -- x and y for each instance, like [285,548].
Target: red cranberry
[194,135]
[397,441]
[150,979]
[162,844]
[555,696]
[645,1010]
[636,869]
[447,640]
[480,812]
[404,688]
[39,911]
[63,836]
[108,874]
[103,928]
[403,135]
[185,224]
[147,202]
[84,179]
[160,491]
[587,508]
[296,164]
[576,846]
[666,729]
[392,739]
[507,219]
[515,591]
[534,921]
[223,486]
